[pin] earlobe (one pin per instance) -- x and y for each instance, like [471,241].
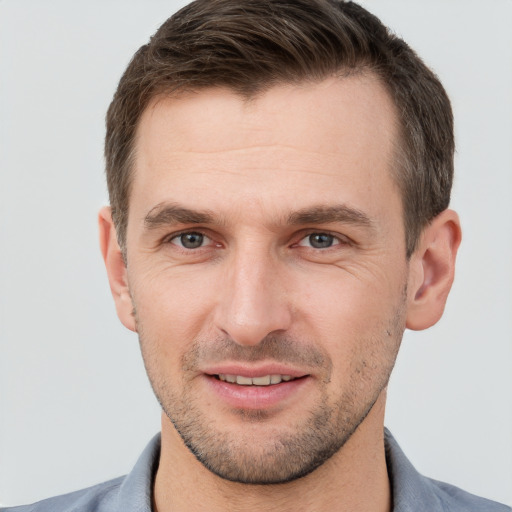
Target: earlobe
[432,270]
[116,268]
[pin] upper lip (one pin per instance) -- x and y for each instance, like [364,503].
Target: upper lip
[247,370]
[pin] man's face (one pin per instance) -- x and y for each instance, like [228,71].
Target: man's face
[267,269]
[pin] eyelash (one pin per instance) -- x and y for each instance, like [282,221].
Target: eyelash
[175,236]
[338,240]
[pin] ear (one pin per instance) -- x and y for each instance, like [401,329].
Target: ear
[116,269]
[432,269]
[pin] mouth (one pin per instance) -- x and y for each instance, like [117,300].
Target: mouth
[264,380]
[251,388]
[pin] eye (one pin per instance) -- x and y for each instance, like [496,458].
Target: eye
[190,240]
[319,241]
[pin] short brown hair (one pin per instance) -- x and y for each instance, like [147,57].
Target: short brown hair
[251,45]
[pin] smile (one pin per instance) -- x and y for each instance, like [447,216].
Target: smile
[265,380]
[263,390]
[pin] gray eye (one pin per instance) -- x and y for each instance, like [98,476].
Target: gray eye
[189,240]
[321,240]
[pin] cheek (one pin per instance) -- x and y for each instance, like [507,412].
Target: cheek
[344,303]
[359,322]
[173,307]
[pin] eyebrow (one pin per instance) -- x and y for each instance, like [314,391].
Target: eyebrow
[165,214]
[328,214]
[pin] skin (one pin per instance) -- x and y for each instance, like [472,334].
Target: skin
[259,180]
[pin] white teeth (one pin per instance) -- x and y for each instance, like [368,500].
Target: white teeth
[265,380]
[261,381]
[243,381]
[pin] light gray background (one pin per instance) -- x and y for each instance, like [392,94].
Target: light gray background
[75,405]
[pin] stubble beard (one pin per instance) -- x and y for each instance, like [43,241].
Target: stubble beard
[262,454]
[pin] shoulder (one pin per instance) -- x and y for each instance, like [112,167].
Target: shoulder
[454,499]
[130,493]
[99,498]
[413,492]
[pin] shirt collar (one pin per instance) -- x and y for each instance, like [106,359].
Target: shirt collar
[136,491]
[409,488]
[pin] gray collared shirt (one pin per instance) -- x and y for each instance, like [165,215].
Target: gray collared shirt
[412,492]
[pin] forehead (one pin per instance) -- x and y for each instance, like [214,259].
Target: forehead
[290,144]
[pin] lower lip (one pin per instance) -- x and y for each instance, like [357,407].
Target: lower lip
[256,397]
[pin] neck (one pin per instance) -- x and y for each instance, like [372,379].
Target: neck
[355,479]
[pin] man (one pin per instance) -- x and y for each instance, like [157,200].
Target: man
[279,176]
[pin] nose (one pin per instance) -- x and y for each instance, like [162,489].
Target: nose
[253,300]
